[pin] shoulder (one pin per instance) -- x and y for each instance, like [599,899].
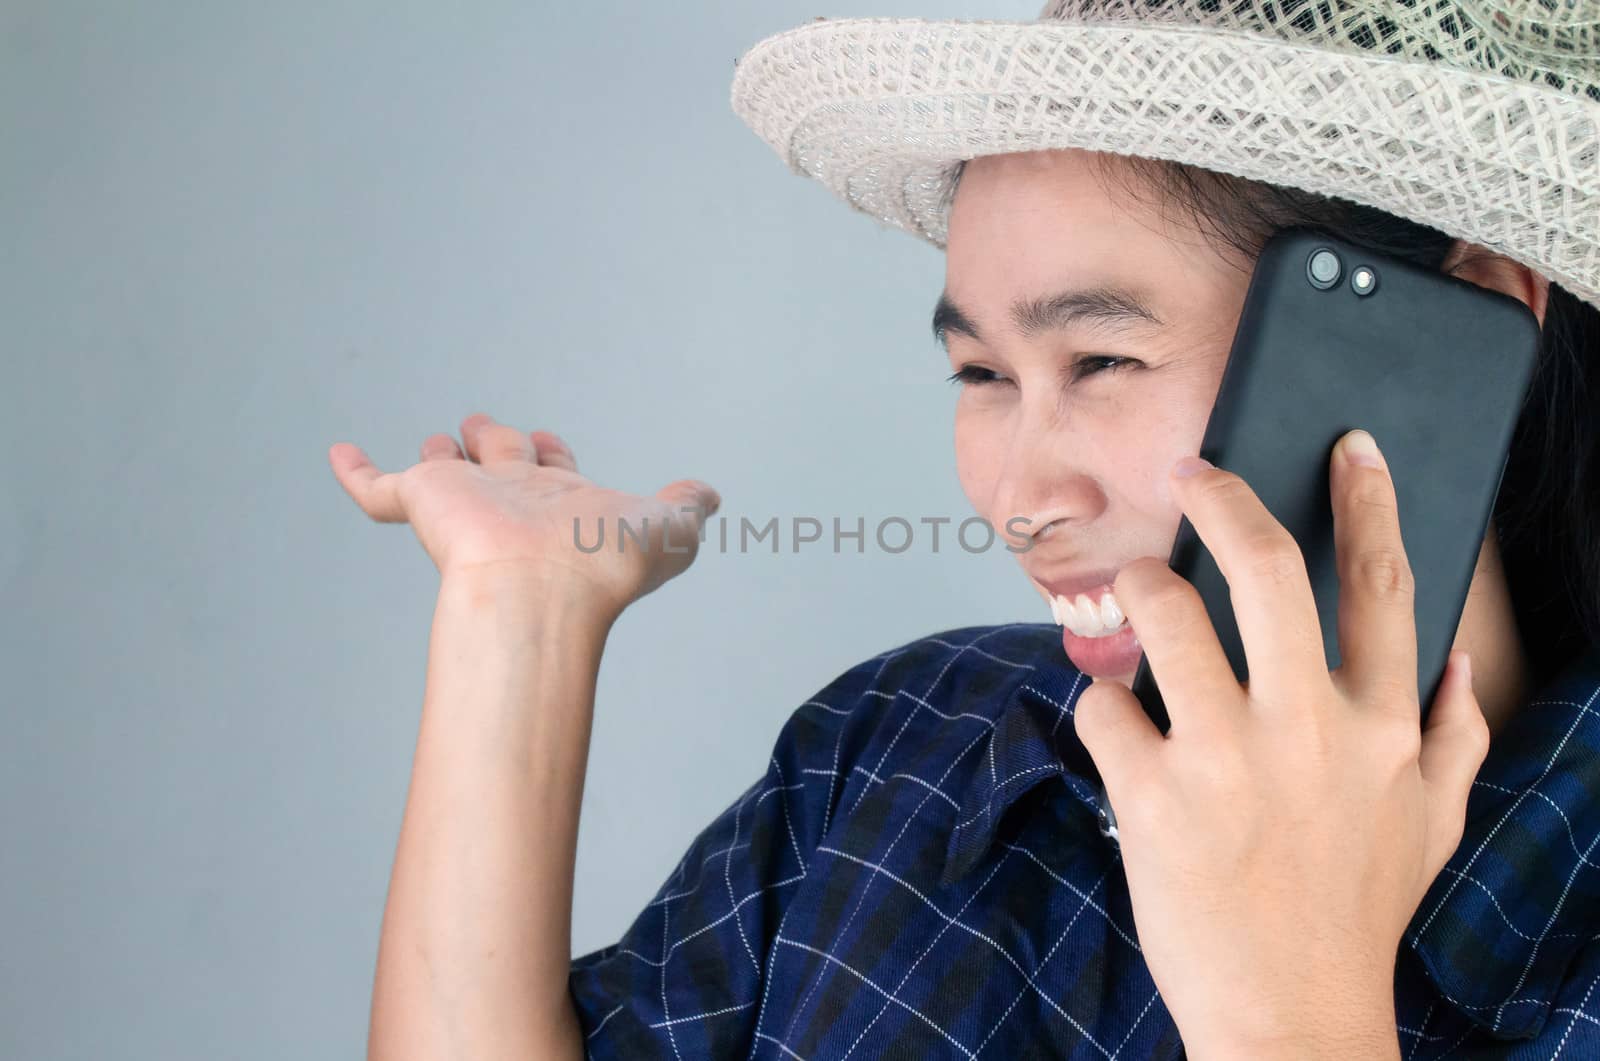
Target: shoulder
[970,663]
[938,689]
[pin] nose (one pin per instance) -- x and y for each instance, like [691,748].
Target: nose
[1049,506]
[1048,479]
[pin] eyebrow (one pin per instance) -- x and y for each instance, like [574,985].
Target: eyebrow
[1116,306]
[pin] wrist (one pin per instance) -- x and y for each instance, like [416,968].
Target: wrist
[520,593]
[1318,1038]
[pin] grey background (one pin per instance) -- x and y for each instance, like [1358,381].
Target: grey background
[235,234]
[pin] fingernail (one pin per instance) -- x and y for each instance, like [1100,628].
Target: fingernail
[1359,448]
[1189,466]
[1466,667]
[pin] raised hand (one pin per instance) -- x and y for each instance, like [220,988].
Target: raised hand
[514,501]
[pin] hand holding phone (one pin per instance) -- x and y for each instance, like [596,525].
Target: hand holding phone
[1333,336]
[1302,814]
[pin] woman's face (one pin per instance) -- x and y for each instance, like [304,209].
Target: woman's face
[1067,421]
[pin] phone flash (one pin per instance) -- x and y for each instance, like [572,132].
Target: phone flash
[1364,280]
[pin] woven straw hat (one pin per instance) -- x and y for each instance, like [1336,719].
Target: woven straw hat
[1480,118]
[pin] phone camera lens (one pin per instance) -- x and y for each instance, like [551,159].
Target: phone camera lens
[1322,268]
[1363,281]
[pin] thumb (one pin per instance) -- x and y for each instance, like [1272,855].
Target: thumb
[692,500]
[1454,744]
[1116,732]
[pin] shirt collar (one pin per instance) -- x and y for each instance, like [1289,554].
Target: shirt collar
[1498,928]
[1032,741]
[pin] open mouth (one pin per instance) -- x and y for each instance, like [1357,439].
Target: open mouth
[1088,616]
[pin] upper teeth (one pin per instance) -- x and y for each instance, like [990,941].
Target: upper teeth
[1086,618]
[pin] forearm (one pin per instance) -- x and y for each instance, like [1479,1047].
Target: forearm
[476,937]
[1373,1048]
[1368,1033]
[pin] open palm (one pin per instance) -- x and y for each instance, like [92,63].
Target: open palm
[516,498]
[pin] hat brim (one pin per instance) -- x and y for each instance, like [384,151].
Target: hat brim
[881,110]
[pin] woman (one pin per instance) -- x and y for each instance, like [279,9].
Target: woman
[1305,874]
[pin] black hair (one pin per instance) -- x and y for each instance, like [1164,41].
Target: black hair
[1547,514]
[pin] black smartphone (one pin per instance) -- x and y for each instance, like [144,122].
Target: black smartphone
[1334,336]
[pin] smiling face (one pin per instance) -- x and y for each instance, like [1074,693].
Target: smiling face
[1074,408]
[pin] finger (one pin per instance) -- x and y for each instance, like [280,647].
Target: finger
[1118,736]
[694,498]
[1377,606]
[689,502]
[1455,743]
[1268,587]
[441,447]
[378,493]
[469,433]
[553,451]
[1186,658]
[488,441]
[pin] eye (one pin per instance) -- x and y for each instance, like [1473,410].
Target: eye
[974,374]
[1080,369]
[1089,366]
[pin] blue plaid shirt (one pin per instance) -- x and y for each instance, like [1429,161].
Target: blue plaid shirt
[920,873]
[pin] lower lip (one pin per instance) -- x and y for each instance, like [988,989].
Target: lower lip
[1112,656]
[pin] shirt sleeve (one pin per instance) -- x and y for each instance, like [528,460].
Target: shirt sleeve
[1573,1027]
[687,977]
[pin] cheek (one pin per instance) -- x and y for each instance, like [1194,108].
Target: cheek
[1161,448]
[1130,456]
[1136,452]
[978,455]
